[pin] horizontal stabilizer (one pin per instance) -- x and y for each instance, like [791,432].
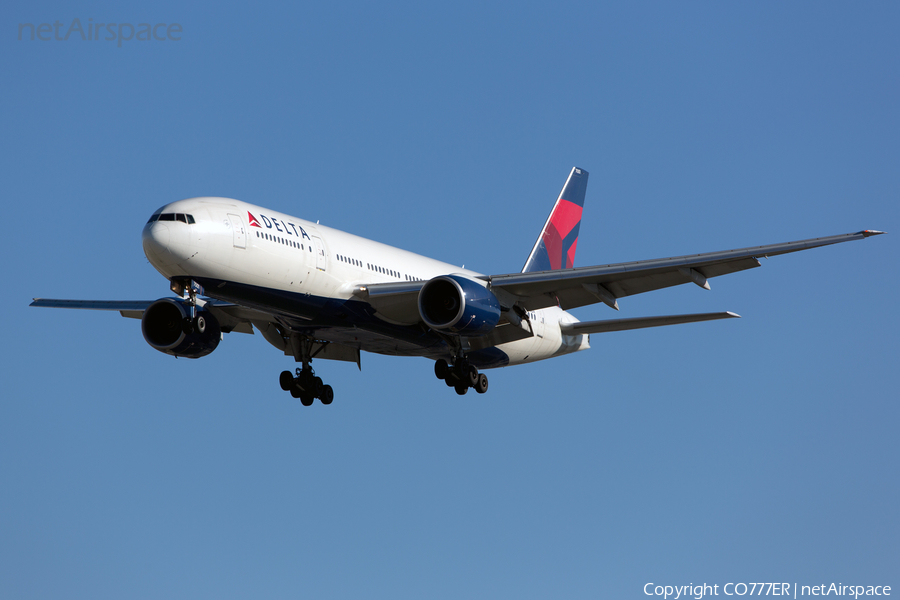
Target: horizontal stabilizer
[640,323]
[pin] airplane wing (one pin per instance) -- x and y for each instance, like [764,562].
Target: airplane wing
[571,288]
[231,317]
[395,302]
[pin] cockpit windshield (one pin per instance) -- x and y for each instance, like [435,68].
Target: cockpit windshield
[182,217]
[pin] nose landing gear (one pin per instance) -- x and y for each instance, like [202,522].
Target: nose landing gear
[194,322]
[461,376]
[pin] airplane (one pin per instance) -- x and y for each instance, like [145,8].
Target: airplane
[315,292]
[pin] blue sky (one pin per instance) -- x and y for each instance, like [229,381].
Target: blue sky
[763,449]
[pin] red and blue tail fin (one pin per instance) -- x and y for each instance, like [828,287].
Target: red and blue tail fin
[555,247]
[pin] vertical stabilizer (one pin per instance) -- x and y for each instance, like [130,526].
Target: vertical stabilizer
[555,247]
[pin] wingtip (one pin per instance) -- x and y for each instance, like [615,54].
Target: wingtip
[871,232]
[732,315]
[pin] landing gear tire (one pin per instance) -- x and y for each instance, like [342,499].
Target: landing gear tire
[481,385]
[306,386]
[471,375]
[441,369]
[286,380]
[327,395]
[461,376]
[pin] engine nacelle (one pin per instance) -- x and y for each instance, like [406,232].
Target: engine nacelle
[457,304]
[163,326]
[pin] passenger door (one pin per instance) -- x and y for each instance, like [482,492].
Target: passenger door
[240,234]
[320,253]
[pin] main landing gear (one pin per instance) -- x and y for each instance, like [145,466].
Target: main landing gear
[461,376]
[306,386]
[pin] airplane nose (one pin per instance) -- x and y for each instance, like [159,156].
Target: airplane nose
[155,240]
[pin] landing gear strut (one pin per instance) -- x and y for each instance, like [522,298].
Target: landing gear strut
[304,385]
[461,376]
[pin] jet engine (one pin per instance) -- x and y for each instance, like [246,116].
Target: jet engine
[167,326]
[456,304]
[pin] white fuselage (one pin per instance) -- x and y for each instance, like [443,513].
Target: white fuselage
[240,243]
